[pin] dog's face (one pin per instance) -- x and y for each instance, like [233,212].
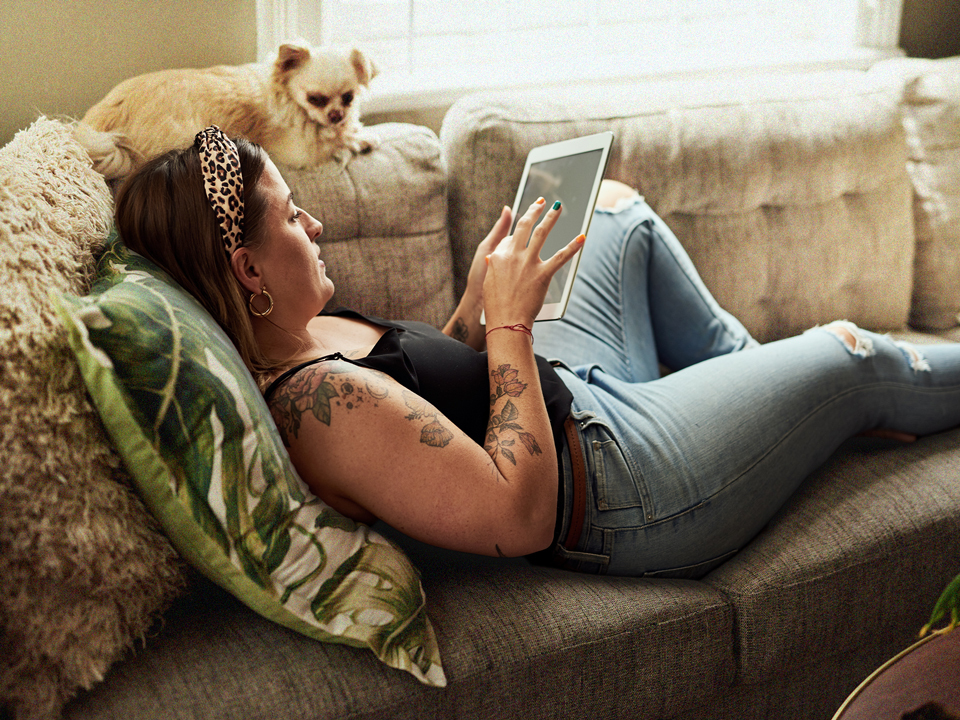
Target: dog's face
[325,82]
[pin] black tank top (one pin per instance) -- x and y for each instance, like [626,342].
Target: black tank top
[450,375]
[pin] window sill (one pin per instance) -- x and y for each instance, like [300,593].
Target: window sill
[396,92]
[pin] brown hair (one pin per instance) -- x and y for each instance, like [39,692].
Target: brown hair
[162,213]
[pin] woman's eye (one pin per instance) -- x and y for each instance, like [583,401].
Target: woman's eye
[296,215]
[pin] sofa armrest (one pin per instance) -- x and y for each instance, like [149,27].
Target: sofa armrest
[931,119]
[384,216]
[789,192]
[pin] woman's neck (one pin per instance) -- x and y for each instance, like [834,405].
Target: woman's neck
[283,345]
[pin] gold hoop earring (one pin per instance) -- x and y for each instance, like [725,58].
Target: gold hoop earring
[254,311]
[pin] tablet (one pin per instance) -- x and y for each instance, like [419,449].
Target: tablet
[569,171]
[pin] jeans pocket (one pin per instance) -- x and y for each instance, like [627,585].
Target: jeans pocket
[618,484]
[692,572]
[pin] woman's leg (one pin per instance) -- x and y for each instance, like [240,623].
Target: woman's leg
[688,468]
[638,301]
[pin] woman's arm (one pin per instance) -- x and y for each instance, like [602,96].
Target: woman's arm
[464,325]
[370,448]
[519,437]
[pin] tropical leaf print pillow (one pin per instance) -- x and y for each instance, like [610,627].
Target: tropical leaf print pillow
[199,441]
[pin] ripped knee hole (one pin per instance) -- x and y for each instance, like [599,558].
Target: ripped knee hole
[860,345]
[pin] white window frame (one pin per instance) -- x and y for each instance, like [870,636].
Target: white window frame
[878,31]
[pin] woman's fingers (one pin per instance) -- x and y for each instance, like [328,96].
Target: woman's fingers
[521,233]
[562,256]
[565,254]
[500,228]
[525,240]
[543,229]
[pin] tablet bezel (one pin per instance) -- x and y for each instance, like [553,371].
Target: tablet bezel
[599,141]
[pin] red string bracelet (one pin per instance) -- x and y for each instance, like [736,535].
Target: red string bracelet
[519,327]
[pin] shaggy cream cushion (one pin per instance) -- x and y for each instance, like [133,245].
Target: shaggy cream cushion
[84,570]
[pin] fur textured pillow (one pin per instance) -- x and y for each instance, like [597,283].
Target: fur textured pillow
[84,571]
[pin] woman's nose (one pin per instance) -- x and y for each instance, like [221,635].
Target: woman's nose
[317,230]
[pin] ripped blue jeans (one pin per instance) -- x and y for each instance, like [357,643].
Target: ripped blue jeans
[683,470]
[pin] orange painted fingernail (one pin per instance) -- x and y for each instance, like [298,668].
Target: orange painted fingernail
[581,238]
[487,259]
[540,201]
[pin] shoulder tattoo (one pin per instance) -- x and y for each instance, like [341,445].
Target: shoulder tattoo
[316,390]
[504,428]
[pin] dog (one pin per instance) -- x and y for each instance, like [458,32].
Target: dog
[302,109]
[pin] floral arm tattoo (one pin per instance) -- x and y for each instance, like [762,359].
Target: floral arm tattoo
[504,428]
[317,390]
[433,432]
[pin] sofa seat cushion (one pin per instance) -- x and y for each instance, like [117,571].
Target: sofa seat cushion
[517,641]
[790,193]
[384,221]
[868,523]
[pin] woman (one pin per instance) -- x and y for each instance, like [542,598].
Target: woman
[468,440]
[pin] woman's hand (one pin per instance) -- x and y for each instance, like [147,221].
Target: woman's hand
[464,325]
[478,268]
[517,280]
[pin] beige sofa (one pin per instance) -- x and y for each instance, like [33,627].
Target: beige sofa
[800,198]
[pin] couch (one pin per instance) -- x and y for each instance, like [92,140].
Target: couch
[801,199]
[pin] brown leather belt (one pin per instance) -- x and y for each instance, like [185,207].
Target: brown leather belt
[579,500]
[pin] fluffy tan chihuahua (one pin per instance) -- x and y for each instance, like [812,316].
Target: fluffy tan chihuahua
[302,109]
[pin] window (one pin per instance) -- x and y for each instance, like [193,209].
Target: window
[429,51]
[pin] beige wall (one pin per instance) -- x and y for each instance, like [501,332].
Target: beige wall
[59,57]
[930,28]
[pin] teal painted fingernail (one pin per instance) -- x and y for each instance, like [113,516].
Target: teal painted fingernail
[556,205]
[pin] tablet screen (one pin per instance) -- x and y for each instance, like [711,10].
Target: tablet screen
[570,180]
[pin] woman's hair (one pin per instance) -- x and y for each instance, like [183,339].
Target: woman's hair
[162,213]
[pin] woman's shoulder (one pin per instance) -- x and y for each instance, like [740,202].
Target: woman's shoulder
[323,364]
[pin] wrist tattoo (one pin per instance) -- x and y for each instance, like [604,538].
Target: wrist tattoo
[460,330]
[504,427]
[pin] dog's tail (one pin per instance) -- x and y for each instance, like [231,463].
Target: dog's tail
[113,157]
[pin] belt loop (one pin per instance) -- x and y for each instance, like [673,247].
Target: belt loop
[579,471]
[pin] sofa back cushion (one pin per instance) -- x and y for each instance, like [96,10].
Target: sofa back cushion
[790,193]
[384,221]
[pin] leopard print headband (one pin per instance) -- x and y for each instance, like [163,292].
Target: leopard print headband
[223,182]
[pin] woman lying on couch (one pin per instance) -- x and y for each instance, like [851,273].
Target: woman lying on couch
[467,439]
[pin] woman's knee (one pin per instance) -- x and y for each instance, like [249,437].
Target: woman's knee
[613,192]
[861,343]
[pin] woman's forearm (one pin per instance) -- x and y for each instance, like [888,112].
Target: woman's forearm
[464,325]
[519,437]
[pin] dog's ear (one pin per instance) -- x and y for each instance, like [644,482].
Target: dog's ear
[290,57]
[365,68]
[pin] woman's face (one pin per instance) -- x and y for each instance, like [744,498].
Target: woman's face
[292,270]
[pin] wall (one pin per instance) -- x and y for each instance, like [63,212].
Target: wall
[930,28]
[59,58]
